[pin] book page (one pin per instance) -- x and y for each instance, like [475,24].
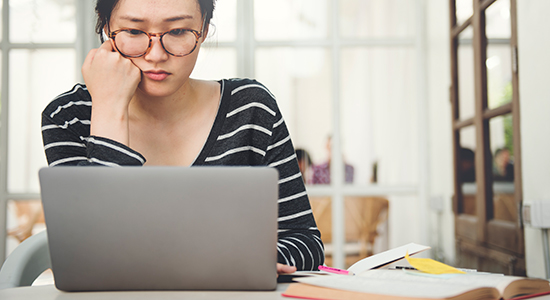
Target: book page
[520,286]
[408,284]
[386,257]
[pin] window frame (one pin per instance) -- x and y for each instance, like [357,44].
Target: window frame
[84,41]
[481,235]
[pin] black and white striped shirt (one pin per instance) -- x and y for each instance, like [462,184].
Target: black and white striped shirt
[248,131]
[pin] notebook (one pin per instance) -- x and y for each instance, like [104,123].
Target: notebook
[161,228]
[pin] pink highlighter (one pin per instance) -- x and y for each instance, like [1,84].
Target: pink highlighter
[335,271]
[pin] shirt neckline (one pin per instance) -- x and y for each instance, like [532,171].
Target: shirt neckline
[216,127]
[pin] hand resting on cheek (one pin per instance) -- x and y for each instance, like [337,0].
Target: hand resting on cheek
[112,81]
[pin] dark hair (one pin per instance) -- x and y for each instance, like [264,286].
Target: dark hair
[104,9]
[467,154]
[303,154]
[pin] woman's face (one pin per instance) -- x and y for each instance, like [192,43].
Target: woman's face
[162,74]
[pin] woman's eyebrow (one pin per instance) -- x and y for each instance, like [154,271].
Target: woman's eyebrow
[170,19]
[132,18]
[178,18]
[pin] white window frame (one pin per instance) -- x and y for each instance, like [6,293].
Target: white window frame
[85,40]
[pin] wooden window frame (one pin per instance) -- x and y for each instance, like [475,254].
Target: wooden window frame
[481,235]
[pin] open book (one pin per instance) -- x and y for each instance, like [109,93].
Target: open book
[406,285]
[385,258]
[372,262]
[386,284]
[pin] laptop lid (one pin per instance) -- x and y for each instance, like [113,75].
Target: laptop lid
[161,228]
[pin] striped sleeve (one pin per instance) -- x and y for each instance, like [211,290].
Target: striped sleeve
[299,243]
[255,134]
[66,135]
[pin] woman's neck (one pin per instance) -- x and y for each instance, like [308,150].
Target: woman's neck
[167,109]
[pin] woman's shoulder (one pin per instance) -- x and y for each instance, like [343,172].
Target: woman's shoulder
[244,83]
[76,98]
[246,90]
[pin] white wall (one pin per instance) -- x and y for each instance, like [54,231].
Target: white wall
[441,168]
[534,67]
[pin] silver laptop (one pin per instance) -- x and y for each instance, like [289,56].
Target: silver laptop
[161,228]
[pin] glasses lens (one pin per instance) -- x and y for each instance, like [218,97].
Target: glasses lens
[179,41]
[132,42]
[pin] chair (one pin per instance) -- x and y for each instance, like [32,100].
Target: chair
[30,259]
[29,214]
[363,216]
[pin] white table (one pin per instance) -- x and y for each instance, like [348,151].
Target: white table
[49,292]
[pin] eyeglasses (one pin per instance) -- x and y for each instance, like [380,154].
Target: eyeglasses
[136,43]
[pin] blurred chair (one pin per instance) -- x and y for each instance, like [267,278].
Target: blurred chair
[29,213]
[363,217]
[30,259]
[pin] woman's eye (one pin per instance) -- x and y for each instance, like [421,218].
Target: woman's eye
[177,32]
[134,31]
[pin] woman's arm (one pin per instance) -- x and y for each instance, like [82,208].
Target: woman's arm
[66,134]
[299,241]
[75,132]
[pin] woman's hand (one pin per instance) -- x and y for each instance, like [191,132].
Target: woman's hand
[285,269]
[112,81]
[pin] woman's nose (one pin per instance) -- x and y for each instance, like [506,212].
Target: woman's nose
[156,52]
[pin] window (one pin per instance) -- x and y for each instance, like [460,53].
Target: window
[40,56]
[485,101]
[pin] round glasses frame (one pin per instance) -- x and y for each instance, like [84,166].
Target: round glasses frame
[198,35]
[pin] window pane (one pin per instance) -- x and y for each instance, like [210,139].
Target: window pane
[464,10]
[502,148]
[291,19]
[49,73]
[466,77]
[300,78]
[377,18]
[498,22]
[366,224]
[499,75]
[42,21]
[379,124]
[223,27]
[466,169]
[215,63]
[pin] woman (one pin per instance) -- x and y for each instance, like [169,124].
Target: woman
[139,107]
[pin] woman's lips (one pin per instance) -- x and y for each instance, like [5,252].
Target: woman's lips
[156,75]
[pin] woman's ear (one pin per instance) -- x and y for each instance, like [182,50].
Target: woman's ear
[104,36]
[205,30]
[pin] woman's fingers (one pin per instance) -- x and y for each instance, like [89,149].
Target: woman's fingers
[106,46]
[285,269]
[108,74]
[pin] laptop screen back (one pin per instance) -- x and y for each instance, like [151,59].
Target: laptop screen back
[161,228]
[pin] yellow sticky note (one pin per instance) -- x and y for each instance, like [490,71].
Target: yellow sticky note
[431,266]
